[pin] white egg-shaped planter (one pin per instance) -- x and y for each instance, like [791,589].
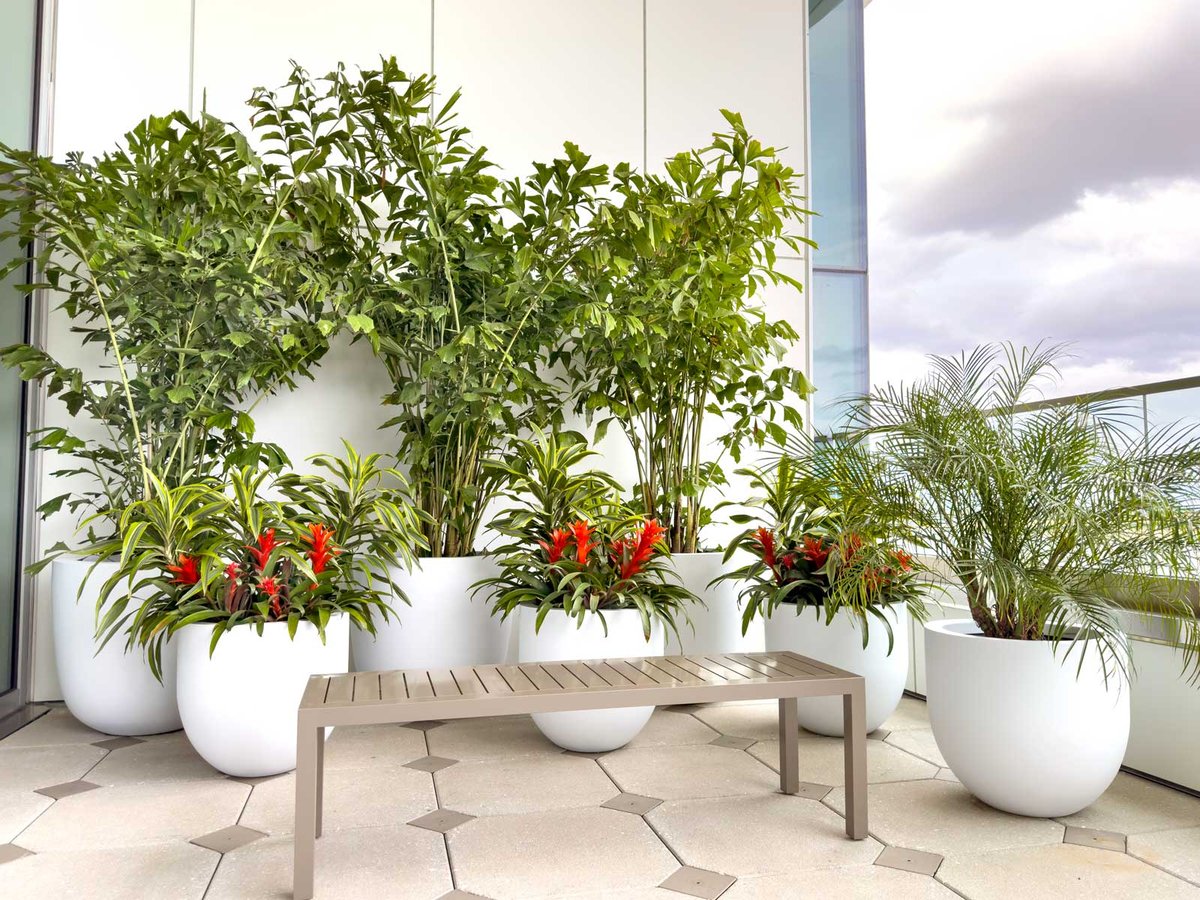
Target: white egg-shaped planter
[442,625]
[840,644]
[239,704]
[716,626]
[559,638]
[1024,729]
[113,690]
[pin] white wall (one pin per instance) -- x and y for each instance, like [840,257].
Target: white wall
[631,80]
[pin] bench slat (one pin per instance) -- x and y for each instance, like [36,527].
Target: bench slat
[539,677]
[491,680]
[793,661]
[391,686]
[443,683]
[763,671]
[517,680]
[699,671]
[790,668]
[314,691]
[563,677]
[341,689]
[680,676]
[366,686]
[419,686]
[590,677]
[468,682]
[632,674]
[720,665]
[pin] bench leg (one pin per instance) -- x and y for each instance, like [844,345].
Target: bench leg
[307,768]
[789,746]
[854,710]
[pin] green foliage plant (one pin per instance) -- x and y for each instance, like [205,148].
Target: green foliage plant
[669,328]
[1056,519]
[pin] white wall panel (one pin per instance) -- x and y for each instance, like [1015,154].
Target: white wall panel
[535,73]
[242,45]
[117,61]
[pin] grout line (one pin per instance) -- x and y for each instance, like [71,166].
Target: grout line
[437,798]
[1155,865]
[54,800]
[952,890]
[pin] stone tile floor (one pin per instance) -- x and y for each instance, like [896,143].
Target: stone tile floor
[489,809]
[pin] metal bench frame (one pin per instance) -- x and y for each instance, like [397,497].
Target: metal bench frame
[379,698]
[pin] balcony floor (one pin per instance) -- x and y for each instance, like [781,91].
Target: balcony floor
[692,803]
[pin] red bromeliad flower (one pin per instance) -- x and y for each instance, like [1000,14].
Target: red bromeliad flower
[320,541]
[904,560]
[766,545]
[815,551]
[559,538]
[271,588]
[581,531]
[262,551]
[788,561]
[186,571]
[642,548]
[233,570]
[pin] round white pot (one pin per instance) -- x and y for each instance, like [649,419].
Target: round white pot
[840,644]
[589,731]
[1023,730]
[111,691]
[717,626]
[239,705]
[444,625]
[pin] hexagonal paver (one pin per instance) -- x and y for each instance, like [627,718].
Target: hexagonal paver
[176,870]
[56,727]
[1061,871]
[698,883]
[354,798]
[843,883]
[523,784]
[681,773]
[919,742]
[373,745]
[357,863]
[823,760]
[30,768]
[911,713]
[668,728]
[441,820]
[758,721]
[18,809]
[169,758]
[942,817]
[632,803]
[136,814]
[1132,805]
[782,834]
[1177,850]
[494,738]
[553,854]
[878,734]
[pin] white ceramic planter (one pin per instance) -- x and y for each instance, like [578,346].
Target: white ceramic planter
[1023,730]
[840,643]
[111,691]
[239,705]
[444,625]
[716,626]
[589,731]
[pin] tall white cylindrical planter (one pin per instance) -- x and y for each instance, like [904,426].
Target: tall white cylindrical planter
[840,644]
[589,731]
[239,705]
[1024,730]
[717,625]
[112,691]
[443,626]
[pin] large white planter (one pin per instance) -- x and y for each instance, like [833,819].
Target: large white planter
[840,644]
[111,691]
[444,625]
[239,705]
[589,731]
[717,626]
[1024,730]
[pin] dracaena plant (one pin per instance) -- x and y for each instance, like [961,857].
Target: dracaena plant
[1056,520]
[198,271]
[225,554]
[572,544]
[820,536]
[462,278]
[670,332]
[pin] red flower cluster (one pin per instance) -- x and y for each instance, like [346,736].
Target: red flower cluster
[815,551]
[320,546]
[628,555]
[186,571]
[581,531]
[559,538]
[631,554]
[263,548]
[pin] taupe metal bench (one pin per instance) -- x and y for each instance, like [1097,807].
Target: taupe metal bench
[416,695]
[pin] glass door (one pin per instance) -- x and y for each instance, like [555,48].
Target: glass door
[18,80]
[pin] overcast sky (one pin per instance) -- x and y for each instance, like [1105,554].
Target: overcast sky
[1034,172]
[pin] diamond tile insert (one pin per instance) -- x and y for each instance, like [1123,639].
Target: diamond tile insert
[431,763]
[732,742]
[66,789]
[698,883]
[461,895]
[228,839]
[811,791]
[117,743]
[909,860]
[632,803]
[441,820]
[422,726]
[1094,837]
[9,852]
[878,734]
[586,755]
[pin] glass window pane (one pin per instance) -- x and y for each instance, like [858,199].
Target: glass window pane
[1174,406]
[838,134]
[839,344]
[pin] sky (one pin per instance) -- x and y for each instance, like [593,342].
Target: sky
[1033,173]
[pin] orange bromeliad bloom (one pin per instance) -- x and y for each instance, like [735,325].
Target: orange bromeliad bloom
[186,571]
[641,547]
[581,531]
[815,551]
[766,545]
[559,539]
[321,548]
[265,544]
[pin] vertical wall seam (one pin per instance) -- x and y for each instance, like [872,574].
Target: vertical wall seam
[192,62]
[806,113]
[432,33]
[645,91]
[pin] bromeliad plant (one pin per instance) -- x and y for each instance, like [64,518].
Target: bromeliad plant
[573,545]
[207,553]
[671,328]
[824,538]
